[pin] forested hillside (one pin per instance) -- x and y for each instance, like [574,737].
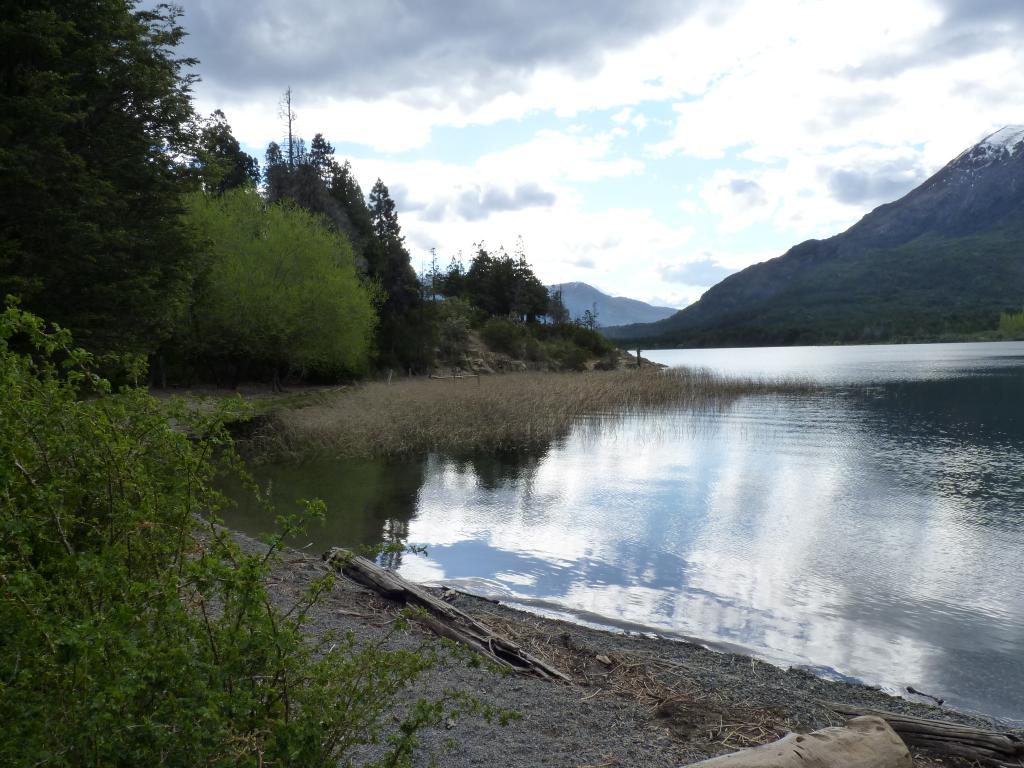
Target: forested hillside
[946,260]
[145,228]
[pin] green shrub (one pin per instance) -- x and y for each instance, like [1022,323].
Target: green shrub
[504,336]
[135,630]
[567,355]
[454,317]
[1011,325]
[566,346]
[279,288]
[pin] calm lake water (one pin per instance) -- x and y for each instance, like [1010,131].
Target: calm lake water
[873,530]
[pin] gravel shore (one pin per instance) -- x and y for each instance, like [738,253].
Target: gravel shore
[634,700]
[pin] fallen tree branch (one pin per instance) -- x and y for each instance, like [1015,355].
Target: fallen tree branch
[995,748]
[441,618]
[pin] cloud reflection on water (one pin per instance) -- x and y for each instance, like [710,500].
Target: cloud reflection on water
[803,529]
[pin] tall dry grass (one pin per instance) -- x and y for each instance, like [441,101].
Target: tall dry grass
[489,413]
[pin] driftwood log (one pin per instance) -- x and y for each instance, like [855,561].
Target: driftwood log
[865,742]
[441,618]
[995,748]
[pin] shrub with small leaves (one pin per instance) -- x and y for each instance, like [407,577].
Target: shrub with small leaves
[135,631]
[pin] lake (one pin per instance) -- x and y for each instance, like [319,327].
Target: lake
[872,530]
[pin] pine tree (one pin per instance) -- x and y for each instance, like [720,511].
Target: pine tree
[557,311]
[401,338]
[321,158]
[385,215]
[95,112]
[220,162]
[345,190]
[275,172]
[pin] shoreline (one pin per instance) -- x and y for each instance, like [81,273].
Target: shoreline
[634,699]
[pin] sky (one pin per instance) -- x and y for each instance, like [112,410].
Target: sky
[649,147]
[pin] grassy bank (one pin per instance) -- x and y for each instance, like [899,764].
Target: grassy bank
[489,413]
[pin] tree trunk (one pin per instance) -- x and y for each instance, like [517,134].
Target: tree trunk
[1002,749]
[440,617]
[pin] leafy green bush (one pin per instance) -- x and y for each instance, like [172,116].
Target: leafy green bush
[279,288]
[566,346]
[453,319]
[567,355]
[504,336]
[135,630]
[585,338]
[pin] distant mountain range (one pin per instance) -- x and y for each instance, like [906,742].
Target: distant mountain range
[611,310]
[946,258]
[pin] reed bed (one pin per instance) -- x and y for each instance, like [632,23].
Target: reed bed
[488,413]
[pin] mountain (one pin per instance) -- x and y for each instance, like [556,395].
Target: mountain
[611,310]
[946,258]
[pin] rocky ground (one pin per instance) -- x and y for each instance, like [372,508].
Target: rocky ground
[633,700]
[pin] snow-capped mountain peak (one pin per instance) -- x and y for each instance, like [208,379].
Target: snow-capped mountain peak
[1004,144]
[1010,138]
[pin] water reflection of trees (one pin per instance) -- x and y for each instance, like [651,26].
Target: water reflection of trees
[368,502]
[496,470]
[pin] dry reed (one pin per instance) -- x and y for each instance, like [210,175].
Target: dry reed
[488,413]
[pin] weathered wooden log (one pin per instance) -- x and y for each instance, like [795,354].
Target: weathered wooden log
[995,748]
[441,618]
[865,742]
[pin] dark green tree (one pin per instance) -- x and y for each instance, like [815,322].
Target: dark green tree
[273,157]
[95,113]
[220,162]
[453,282]
[307,181]
[557,311]
[385,215]
[589,319]
[346,191]
[401,340]
[503,286]
[321,158]
[531,295]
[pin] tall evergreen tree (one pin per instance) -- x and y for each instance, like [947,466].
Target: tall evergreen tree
[385,215]
[321,158]
[400,339]
[346,191]
[94,111]
[504,286]
[220,162]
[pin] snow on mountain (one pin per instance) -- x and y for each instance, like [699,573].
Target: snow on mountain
[946,258]
[1009,137]
[1001,145]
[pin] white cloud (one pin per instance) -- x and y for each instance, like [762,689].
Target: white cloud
[623,115]
[530,190]
[555,154]
[740,200]
[811,111]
